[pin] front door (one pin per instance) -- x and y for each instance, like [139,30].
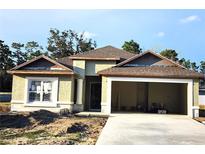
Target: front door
[95,96]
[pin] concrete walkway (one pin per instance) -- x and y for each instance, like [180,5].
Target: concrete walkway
[128,129]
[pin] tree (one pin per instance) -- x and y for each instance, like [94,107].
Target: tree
[188,64]
[194,67]
[132,46]
[170,54]
[68,42]
[19,56]
[6,63]
[185,63]
[33,49]
[202,67]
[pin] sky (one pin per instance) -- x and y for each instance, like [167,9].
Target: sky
[181,30]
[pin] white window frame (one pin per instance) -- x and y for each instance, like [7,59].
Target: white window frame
[42,103]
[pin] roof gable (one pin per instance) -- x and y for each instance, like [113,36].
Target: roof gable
[41,63]
[148,58]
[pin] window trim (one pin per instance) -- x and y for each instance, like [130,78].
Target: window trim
[41,103]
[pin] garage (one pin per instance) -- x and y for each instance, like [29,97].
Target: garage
[149,97]
[150,83]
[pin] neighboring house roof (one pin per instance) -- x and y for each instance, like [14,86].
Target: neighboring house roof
[41,65]
[104,53]
[153,65]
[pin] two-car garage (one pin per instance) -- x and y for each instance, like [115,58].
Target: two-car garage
[149,97]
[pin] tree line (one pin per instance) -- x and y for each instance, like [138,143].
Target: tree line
[59,44]
[65,43]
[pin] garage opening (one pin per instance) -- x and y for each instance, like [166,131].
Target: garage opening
[149,97]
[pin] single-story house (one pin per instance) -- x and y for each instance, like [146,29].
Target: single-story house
[106,80]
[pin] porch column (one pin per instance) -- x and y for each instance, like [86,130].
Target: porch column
[190,99]
[106,95]
[195,107]
[80,92]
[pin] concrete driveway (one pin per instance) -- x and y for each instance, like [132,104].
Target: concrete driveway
[128,129]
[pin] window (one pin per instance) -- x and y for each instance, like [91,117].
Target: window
[42,91]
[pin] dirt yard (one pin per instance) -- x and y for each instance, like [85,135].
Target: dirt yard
[44,127]
[4,107]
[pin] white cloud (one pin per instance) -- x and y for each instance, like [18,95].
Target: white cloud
[161,34]
[88,34]
[190,19]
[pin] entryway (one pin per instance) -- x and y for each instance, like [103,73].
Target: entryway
[93,93]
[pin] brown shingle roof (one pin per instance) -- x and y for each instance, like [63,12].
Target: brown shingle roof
[152,71]
[38,58]
[104,53]
[19,69]
[66,61]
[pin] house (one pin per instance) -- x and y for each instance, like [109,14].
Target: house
[106,80]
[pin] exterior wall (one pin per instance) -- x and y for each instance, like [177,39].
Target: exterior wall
[104,96]
[196,92]
[92,67]
[79,67]
[18,88]
[64,98]
[66,90]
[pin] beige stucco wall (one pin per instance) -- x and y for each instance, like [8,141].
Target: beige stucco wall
[92,67]
[18,88]
[65,94]
[196,93]
[104,90]
[79,67]
[66,89]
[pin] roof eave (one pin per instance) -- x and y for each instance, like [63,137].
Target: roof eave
[148,76]
[41,72]
[94,58]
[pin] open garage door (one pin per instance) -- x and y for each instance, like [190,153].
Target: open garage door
[149,97]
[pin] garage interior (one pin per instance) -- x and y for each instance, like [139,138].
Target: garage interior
[149,97]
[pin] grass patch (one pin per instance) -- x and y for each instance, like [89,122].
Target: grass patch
[36,134]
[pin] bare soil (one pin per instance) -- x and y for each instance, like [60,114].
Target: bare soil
[4,107]
[44,127]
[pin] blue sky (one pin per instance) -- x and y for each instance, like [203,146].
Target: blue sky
[182,30]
